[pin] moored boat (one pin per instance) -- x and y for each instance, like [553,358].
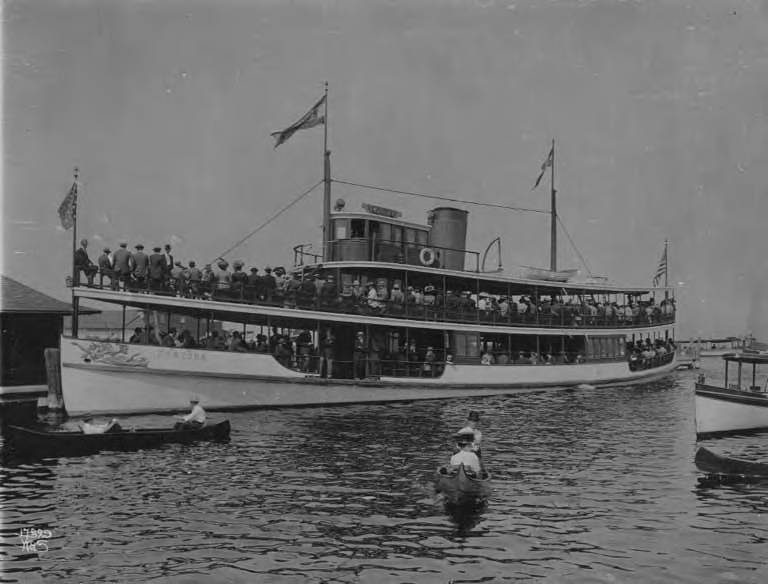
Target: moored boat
[458,486]
[40,443]
[733,408]
[713,463]
[390,310]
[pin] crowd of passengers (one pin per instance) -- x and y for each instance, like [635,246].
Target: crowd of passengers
[302,352]
[643,355]
[159,272]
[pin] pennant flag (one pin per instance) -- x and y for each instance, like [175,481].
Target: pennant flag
[68,208]
[547,163]
[661,270]
[309,120]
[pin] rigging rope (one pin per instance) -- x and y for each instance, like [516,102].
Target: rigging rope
[438,197]
[573,245]
[268,221]
[410,194]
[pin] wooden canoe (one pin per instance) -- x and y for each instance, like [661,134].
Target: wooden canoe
[40,443]
[458,486]
[712,463]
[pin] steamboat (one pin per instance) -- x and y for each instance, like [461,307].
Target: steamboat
[390,310]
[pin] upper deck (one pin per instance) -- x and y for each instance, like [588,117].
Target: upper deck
[377,238]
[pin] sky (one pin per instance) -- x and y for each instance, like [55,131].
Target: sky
[658,107]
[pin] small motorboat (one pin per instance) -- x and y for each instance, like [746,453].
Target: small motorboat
[735,407]
[729,469]
[460,485]
[42,443]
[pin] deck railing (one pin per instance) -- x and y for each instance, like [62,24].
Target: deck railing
[453,310]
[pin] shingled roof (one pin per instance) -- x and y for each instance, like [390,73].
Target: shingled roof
[16,298]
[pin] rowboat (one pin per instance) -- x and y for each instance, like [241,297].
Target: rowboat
[39,443]
[735,407]
[458,486]
[549,275]
[728,469]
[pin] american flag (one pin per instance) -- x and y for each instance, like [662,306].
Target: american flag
[661,270]
[309,120]
[68,207]
[547,163]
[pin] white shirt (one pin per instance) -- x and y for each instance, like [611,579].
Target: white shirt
[468,459]
[89,428]
[478,436]
[196,415]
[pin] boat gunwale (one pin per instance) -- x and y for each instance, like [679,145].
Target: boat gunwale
[144,432]
[731,395]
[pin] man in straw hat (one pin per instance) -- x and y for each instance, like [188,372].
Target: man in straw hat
[194,419]
[465,455]
[473,419]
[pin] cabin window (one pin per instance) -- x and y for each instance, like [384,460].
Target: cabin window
[467,345]
[397,234]
[341,228]
[385,232]
[410,235]
[421,237]
[357,228]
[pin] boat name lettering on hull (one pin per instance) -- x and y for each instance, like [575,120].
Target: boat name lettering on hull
[180,355]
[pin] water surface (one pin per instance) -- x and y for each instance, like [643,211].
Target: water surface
[588,486]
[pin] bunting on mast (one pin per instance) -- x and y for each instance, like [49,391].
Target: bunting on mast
[309,120]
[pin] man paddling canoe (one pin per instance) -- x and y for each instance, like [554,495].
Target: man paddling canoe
[465,455]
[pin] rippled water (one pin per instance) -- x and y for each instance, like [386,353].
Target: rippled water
[588,486]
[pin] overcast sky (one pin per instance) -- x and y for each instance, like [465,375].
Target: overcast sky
[658,107]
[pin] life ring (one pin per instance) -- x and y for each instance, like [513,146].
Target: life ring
[427,256]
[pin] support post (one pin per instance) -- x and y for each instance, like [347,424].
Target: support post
[53,372]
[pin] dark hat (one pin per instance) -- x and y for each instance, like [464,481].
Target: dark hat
[83,242]
[123,244]
[254,269]
[156,248]
[194,400]
[474,416]
[107,250]
[465,438]
[139,246]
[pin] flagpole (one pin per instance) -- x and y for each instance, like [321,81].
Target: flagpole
[75,298]
[326,184]
[553,227]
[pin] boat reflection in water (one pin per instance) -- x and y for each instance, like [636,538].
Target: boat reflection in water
[466,515]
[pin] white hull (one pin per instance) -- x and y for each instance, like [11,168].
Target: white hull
[721,411]
[103,377]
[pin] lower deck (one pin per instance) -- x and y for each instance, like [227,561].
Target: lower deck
[108,377]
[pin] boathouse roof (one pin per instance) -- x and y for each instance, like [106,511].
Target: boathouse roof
[17,298]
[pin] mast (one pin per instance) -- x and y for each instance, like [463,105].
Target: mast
[75,298]
[326,185]
[553,212]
